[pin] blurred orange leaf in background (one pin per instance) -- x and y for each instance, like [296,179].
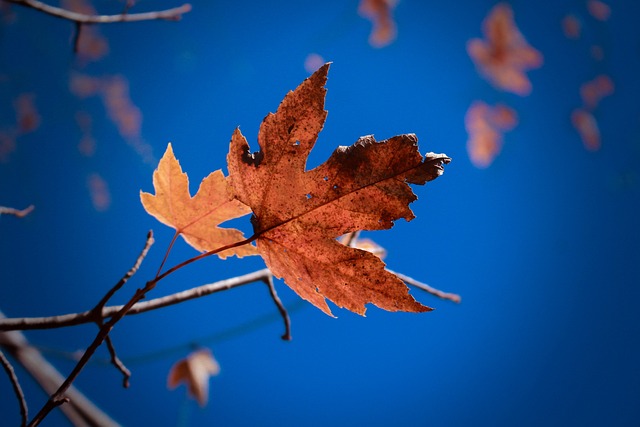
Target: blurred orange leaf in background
[194,371]
[504,56]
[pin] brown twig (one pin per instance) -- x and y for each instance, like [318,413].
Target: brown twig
[76,37]
[174,14]
[145,250]
[433,291]
[16,212]
[58,398]
[115,361]
[283,311]
[97,310]
[16,388]
[81,411]
[72,319]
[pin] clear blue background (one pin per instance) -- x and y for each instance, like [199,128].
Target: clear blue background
[543,246]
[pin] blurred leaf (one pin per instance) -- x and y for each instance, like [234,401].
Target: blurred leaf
[194,371]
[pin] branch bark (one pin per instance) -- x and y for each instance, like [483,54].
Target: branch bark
[17,390]
[72,319]
[81,411]
[20,213]
[174,14]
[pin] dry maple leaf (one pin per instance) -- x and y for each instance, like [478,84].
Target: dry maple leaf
[196,218]
[298,214]
[504,56]
[194,370]
[380,13]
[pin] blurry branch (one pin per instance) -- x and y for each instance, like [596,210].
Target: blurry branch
[81,411]
[433,291]
[16,388]
[174,14]
[16,212]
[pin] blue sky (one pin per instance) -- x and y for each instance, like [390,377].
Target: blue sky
[543,245]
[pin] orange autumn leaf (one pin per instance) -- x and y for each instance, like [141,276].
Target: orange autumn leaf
[504,56]
[594,90]
[99,191]
[485,126]
[196,218]
[379,12]
[27,116]
[599,10]
[299,213]
[571,27]
[194,370]
[587,128]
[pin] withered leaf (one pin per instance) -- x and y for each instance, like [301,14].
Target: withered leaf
[196,218]
[298,213]
[194,370]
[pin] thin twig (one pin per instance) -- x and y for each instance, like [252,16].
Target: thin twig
[81,411]
[174,14]
[72,319]
[166,254]
[207,254]
[115,360]
[433,291]
[283,311]
[16,388]
[16,212]
[58,398]
[145,250]
[97,310]
[76,37]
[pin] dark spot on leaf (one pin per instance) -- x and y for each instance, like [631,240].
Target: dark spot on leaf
[253,159]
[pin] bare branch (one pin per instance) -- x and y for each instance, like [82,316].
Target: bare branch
[58,398]
[81,411]
[283,311]
[174,14]
[97,310]
[16,388]
[145,250]
[115,360]
[433,291]
[16,212]
[27,323]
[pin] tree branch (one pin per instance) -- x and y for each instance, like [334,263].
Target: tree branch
[433,291]
[81,411]
[145,250]
[16,388]
[174,14]
[283,311]
[72,319]
[16,212]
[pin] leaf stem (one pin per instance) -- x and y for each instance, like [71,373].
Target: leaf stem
[206,254]
[166,255]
